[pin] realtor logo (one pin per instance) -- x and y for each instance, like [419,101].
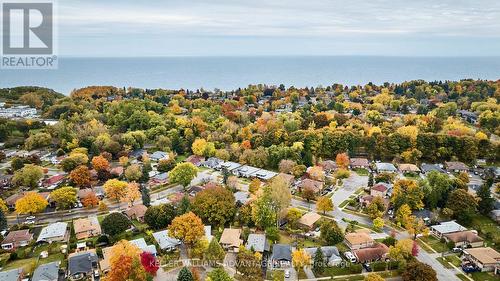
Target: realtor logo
[28,35]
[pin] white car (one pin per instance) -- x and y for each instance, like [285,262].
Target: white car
[287,273]
[350,256]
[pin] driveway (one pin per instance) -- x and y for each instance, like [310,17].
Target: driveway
[351,185]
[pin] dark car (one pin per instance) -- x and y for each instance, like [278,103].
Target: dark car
[367,267]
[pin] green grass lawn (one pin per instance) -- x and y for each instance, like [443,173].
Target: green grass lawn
[361,172]
[278,274]
[484,276]
[488,229]
[301,274]
[453,259]
[28,265]
[435,244]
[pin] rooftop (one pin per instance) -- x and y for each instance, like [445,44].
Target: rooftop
[448,227]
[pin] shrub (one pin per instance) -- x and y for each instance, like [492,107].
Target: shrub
[391,265]
[115,223]
[355,268]
[13,256]
[378,266]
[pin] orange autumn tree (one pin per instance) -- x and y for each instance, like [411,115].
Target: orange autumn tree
[188,228]
[115,189]
[90,201]
[132,193]
[100,163]
[80,176]
[342,160]
[125,263]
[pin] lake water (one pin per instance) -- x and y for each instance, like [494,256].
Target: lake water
[232,72]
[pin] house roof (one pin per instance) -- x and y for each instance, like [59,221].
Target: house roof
[157,155]
[87,224]
[47,272]
[195,159]
[380,187]
[461,236]
[160,177]
[408,168]
[373,253]
[282,252]
[359,162]
[448,227]
[11,275]
[54,179]
[309,219]
[264,174]
[85,192]
[313,184]
[287,177]
[117,171]
[141,244]
[485,255]
[137,210]
[81,262]
[231,236]
[17,236]
[431,167]
[164,240]
[358,238]
[455,165]
[328,165]
[384,166]
[229,165]
[241,196]
[258,242]
[53,230]
[328,251]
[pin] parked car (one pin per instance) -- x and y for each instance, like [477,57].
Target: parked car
[367,267]
[350,256]
[456,250]
[30,220]
[287,273]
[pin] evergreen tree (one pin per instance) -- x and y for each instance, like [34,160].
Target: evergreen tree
[3,220]
[146,199]
[214,253]
[485,205]
[370,180]
[184,205]
[319,262]
[185,275]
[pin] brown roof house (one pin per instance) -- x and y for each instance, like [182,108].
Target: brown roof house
[359,163]
[357,241]
[377,252]
[311,184]
[136,212]
[456,167]
[408,168]
[18,238]
[379,189]
[289,179]
[487,259]
[308,220]
[464,239]
[230,239]
[195,160]
[87,227]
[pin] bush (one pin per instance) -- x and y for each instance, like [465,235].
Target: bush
[115,223]
[355,268]
[378,266]
[103,239]
[13,256]
[391,265]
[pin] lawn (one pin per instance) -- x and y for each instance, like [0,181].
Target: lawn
[488,230]
[434,243]
[453,259]
[28,265]
[361,172]
[285,238]
[484,276]
[277,274]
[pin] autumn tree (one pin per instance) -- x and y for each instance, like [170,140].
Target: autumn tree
[133,172]
[378,223]
[3,206]
[90,201]
[249,265]
[31,203]
[316,173]
[402,250]
[74,160]
[308,193]
[214,253]
[300,258]
[376,208]
[215,205]
[183,173]
[100,163]
[116,189]
[65,197]
[254,185]
[286,166]
[373,277]
[280,194]
[149,262]
[27,176]
[115,223]
[324,204]
[407,192]
[418,271]
[80,176]
[218,274]
[342,160]
[202,147]
[462,203]
[187,228]
[125,263]
[132,194]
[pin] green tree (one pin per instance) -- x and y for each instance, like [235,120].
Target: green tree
[28,176]
[3,220]
[185,275]
[319,261]
[219,274]
[407,192]
[115,223]
[65,197]
[462,203]
[486,202]
[331,232]
[158,217]
[215,205]
[214,253]
[183,173]
[376,208]
[146,198]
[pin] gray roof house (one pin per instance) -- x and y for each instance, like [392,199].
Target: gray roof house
[257,242]
[228,165]
[445,228]
[245,171]
[165,241]
[47,272]
[331,254]
[141,244]
[212,163]
[12,275]
[158,155]
[82,264]
[282,255]
[385,167]
[426,168]
[264,174]
[54,232]
[241,197]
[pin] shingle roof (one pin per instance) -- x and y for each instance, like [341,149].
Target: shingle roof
[358,238]
[47,272]
[461,236]
[82,262]
[17,236]
[231,236]
[485,255]
[385,167]
[11,275]
[258,242]
[373,253]
[53,230]
[309,219]
[164,240]
[282,252]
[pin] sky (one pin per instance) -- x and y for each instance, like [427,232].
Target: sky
[134,28]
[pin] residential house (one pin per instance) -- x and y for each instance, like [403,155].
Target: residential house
[86,227]
[12,275]
[359,163]
[425,215]
[141,244]
[82,264]
[464,239]
[195,160]
[379,189]
[315,185]
[330,253]
[54,232]
[241,197]
[281,256]
[84,193]
[11,200]
[53,181]
[445,228]
[47,272]
[485,258]
[159,179]
[408,168]
[365,200]
[264,175]
[17,238]
[228,166]
[456,167]
[245,171]
[257,242]
[426,168]
[159,155]
[357,241]
[138,153]
[309,220]
[117,171]
[289,179]
[230,239]
[384,167]
[136,212]
[328,165]
[193,190]
[376,252]
[468,116]
[212,163]
[166,242]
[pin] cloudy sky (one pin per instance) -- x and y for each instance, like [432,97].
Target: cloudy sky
[266,27]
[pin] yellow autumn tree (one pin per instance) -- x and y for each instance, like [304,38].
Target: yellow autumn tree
[324,204]
[132,193]
[31,203]
[300,258]
[3,206]
[115,189]
[188,228]
[125,263]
